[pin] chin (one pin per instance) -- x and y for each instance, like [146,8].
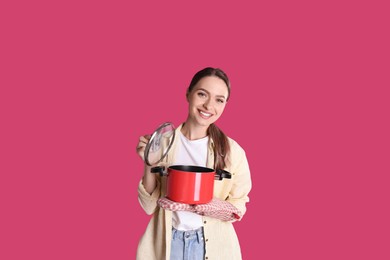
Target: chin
[202,122]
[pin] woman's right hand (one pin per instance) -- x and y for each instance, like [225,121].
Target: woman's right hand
[143,141]
[149,178]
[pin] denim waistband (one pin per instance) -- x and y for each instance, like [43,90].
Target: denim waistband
[188,235]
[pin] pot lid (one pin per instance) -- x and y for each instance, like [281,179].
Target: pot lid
[159,144]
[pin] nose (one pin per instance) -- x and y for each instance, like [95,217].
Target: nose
[206,104]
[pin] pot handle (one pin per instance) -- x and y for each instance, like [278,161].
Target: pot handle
[220,174]
[160,170]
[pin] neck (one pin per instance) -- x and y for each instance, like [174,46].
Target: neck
[192,132]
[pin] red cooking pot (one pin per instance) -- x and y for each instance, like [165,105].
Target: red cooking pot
[190,184]
[185,183]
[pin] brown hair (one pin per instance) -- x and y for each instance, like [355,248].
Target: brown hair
[221,142]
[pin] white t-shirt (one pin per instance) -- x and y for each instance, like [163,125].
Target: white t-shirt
[190,152]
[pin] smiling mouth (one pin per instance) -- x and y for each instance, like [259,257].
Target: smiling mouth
[204,114]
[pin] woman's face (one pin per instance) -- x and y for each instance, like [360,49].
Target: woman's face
[207,100]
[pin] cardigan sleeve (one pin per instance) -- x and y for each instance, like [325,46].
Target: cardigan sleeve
[149,201]
[242,184]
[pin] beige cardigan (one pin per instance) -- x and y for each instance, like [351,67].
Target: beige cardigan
[220,237]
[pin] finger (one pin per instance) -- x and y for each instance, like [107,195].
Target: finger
[144,139]
[141,145]
[140,148]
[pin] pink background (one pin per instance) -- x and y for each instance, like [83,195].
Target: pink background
[82,80]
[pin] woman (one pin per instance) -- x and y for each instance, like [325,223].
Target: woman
[205,231]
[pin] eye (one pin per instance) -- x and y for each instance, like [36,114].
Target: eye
[201,94]
[219,100]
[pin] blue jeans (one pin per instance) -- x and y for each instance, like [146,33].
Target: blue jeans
[187,245]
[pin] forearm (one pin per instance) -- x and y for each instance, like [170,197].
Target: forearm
[149,180]
[149,191]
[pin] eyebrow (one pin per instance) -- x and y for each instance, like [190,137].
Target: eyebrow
[220,96]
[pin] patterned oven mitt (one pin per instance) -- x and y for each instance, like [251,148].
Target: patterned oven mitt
[168,204]
[219,209]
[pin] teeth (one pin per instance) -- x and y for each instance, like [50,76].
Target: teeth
[205,114]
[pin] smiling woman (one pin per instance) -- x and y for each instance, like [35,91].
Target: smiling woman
[203,231]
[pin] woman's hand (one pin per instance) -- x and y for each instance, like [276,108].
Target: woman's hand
[149,178]
[143,141]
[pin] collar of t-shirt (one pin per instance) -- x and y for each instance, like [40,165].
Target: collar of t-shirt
[192,152]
